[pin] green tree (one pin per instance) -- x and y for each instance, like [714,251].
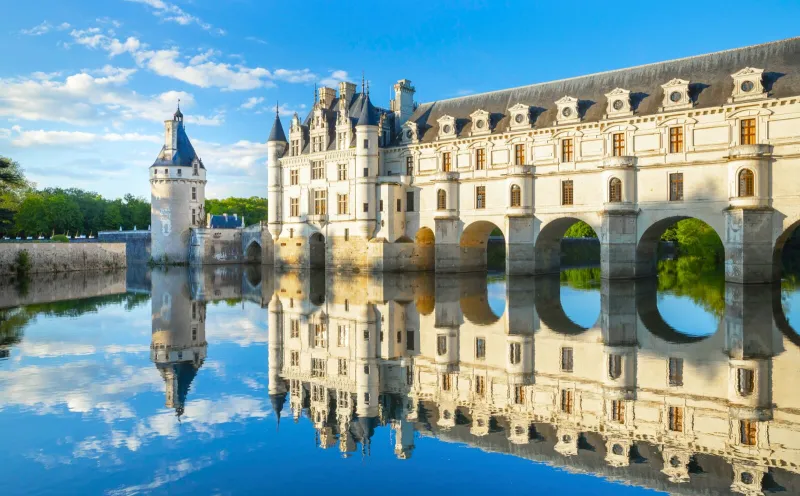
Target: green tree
[112,218]
[31,219]
[254,209]
[13,187]
[580,229]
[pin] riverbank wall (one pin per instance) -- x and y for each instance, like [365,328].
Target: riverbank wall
[49,288]
[61,257]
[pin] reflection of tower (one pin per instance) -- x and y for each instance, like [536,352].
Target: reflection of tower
[277,385]
[178,345]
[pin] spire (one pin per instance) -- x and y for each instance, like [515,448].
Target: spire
[178,116]
[277,133]
[369,115]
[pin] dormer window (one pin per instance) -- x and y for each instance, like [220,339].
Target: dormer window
[520,117]
[567,111]
[747,85]
[480,122]
[676,95]
[619,103]
[447,126]
[409,132]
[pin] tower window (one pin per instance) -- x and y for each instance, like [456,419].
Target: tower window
[441,344]
[745,381]
[676,139]
[366,208]
[747,432]
[618,142]
[748,131]
[410,340]
[441,200]
[615,190]
[180,172]
[194,170]
[194,194]
[614,366]
[480,197]
[480,385]
[676,371]
[566,150]
[618,411]
[676,418]
[399,205]
[519,394]
[566,400]
[446,161]
[567,195]
[519,154]
[746,183]
[446,382]
[480,348]
[676,186]
[516,196]
[366,144]
[409,201]
[514,353]
[480,159]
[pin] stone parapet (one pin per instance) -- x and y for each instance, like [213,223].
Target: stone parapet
[63,257]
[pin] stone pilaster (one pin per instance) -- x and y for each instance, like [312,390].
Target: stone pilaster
[748,245]
[618,244]
[519,246]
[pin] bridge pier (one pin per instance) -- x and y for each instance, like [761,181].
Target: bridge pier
[748,245]
[519,246]
[618,244]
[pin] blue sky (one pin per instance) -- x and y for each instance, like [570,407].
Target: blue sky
[85,85]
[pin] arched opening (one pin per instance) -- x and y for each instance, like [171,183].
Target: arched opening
[615,190]
[686,255]
[565,309]
[477,304]
[746,183]
[483,247]
[679,317]
[566,242]
[316,249]
[253,253]
[424,249]
[786,267]
[441,200]
[516,196]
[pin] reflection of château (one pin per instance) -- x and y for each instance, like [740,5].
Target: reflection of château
[629,398]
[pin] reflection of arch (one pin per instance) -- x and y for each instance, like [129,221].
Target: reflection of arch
[647,309]
[316,248]
[647,247]
[474,300]
[547,301]
[547,258]
[253,252]
[780,319]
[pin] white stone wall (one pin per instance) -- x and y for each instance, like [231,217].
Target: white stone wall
[63,257]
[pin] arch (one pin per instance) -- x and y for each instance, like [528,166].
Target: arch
[424,257]
[516,196]
[252,253]
[479,249]
[647,244]
[547,247]
[316,251]
[615,190]
[441,199]
[550,310]
[778,258]
[746,183]
[474,300]
[649,314]
[425,236]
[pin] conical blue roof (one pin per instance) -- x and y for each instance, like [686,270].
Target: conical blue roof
[277,133]
[369,114]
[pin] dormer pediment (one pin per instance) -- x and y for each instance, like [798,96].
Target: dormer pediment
[520,116]
[618,103]
[747,85]
[567,110]
[410,132]
[447,126]
[295,126]
[676,95]
[481,122]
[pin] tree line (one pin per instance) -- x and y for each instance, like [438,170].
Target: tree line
[26,211]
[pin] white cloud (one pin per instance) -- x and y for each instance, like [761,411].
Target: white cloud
[257,40]
[41,137]
[252,102]
[43,28]
[335,78]
[206,74]
[172,13]
[294,76]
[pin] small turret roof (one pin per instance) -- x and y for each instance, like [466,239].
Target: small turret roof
[369,114]
[277,133]
[183,154]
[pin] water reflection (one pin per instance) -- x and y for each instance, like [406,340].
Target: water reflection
[592,376]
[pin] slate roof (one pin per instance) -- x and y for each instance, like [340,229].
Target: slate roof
[369,115]
[709,75]
[225,222]
[184,155]
[277,133]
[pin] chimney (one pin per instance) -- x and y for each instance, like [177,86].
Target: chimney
[346,91]
[403,103]
[326,97]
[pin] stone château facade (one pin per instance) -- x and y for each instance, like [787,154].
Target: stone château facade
[631,151]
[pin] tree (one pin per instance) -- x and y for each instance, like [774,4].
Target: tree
[580,229]
[254,209]
[31,219]
[112,218]
[13,187]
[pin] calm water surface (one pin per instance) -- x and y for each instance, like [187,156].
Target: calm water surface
[238,381]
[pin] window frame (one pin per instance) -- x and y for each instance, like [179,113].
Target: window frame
[320,202]
[615,190]
[567,150]
[567,192]
[480,197]
[342,204]
[676,186]
[519,154]
[676,140]
[516,196]
[747,131]
[441,199]
[749,183]
[480,158]
[447,162]
[317,170]
[294,207]
[618,144]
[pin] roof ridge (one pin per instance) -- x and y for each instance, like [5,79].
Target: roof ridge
[601,73]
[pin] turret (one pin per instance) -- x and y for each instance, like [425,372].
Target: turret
[366,167]
[276,146]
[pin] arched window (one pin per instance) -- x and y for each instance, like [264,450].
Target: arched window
[746,183]
[516,196]
[615,190]
[441,200]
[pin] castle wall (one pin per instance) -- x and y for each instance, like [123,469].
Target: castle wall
[47,288]
[63,257]
[215,246]
[137,244]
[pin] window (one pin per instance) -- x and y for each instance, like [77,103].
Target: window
[366,369]
[380,205]
[318,367]
[410,375]
[366,207]
[342,366]
[566,150]
[519,154]
[342,141]
[567,197]
[676,371]
[618,411]
[748,131]
[480,348]
[566,401]
[676,186]
[409,201]
[745,381]
[294,177]
[194,333]
[341,204]
[317,169]
[676,139]
[194,193]
[194,217]
[446,382]
[366,144]
[399,337]
[291,235]
[180,172]
[399,205]
[514,353]
[480,159]
[341,336]
[294,359]
[480,385]
[320,202]
[316,144]
[410,340]
[566,359]
[441,345]
[746,183]
[519,394]
[676,418]
[194,310]
[618,144]
[747,432]
[320,336]
[516,196]
[366,395]
[295,147]
[347,234]
[409,165]
[615,190]
[614,366]
[294,207]
[342,172]
[195,172]
[295,329]
[446,162]
[441,200]
[480,196]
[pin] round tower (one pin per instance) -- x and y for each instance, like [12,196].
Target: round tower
[276,147]
[177,194]
[366,167]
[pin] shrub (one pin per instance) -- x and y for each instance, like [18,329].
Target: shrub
[23,264]
[60,238]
